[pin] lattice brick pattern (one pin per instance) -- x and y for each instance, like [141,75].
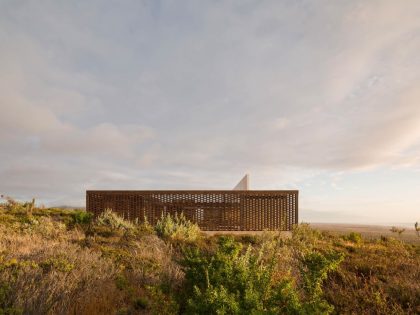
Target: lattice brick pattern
[212,210]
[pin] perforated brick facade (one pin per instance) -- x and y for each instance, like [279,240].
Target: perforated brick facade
[212,210]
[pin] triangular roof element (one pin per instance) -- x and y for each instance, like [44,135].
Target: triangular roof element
[243,183]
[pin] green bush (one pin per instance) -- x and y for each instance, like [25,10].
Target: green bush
[354,237]
[177,228]
[81,217]
[314,271]
[233,281]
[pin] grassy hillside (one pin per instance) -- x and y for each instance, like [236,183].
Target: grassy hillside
[56,261]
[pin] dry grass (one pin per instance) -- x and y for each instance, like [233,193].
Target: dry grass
[50,276]
[50,263]
[382,276]
[46,268]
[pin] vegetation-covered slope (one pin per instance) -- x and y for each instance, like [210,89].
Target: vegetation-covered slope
[56,261]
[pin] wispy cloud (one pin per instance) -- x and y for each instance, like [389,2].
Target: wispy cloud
[152,94]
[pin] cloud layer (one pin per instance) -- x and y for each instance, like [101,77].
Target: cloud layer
[162,94]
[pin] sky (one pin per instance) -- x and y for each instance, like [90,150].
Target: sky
[320,96]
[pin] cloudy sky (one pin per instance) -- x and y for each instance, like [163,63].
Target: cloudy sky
[320,96]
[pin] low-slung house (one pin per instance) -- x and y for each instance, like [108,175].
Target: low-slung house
[240,209]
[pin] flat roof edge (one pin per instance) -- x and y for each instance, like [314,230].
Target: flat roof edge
[193,191]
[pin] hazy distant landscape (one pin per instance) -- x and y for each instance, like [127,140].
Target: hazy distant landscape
[370,231]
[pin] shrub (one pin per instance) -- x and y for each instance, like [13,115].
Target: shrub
[110,219]
[304,237]
[46,268]
[17,207]
[249,239]
[314,271]
[214,300]
[354,237]
[397,230]
[226,283]
[144,226]
[45,226]
[235,282]
[11,204]
[81,217]
[177,228]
